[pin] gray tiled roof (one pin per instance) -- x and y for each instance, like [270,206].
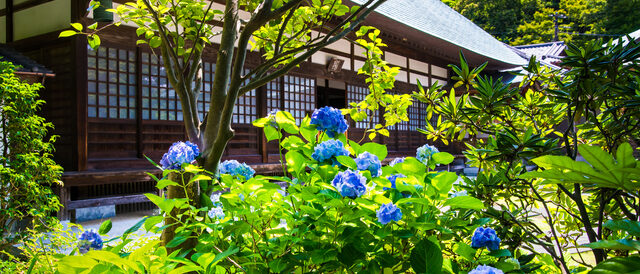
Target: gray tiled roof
[551,52]
[435,18]
[26,64]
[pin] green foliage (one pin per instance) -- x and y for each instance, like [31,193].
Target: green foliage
[589,110]
[380,77]
[27,171]
[302,223]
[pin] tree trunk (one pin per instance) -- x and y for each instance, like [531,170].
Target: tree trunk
[176,192]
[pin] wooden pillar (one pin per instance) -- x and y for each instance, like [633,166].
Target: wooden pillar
[139,121]
[79,52]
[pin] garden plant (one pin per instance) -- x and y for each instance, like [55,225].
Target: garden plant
[556,189]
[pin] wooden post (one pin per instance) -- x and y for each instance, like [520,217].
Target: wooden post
[139,121]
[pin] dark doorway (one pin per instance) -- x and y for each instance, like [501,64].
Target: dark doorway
[331,97]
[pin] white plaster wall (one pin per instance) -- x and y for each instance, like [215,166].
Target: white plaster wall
[401,76]
[418,65]
[439,71]
[424,80]
[3,27]
[341,45]
[357,64]
[395,59]
[323,58]
[57,14]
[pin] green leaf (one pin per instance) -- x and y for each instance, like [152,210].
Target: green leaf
[500,253]
[230,251]
[631,227]
[376,149]
[105,227]
[176,241]
[466,202]
[444,181]
[426,257]
[271,133]
[166,182]
[465,251]
[155,42]
[152,221]
[67,33]
[135,227]
[627,265]
[286,121]
[295,161]
[622,244]
[442,158]
[410,166]
[347,161]
[77,26]
[349,255]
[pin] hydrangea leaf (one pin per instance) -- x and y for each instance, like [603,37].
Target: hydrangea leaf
[500,253]
[295,161]
[442,158]
[444,181]
[426,257]
[410,166]
[286,121]
[347,161]
[271,133]
[465,202]
[376,149]
[465,251]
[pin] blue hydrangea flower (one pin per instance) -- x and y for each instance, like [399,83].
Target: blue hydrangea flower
[350,184]
[424,153]
[388,212]
[329,120]
[396,161]
[328,150]
[485,237]
[216,212]
[392,179]
[235,168]
[89,239]
[178,154]
[485,269]
[370,162]
[459,193]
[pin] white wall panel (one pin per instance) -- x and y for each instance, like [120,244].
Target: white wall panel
[424,80]
[418,66]
[57,14]
[439,71]
[395,59]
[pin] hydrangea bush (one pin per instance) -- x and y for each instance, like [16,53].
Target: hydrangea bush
[353,216]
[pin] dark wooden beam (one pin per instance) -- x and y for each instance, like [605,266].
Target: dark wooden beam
[105,201]
[9,21]
[22,6]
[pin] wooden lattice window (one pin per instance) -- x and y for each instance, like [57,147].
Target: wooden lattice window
[208,73]
[417,115]
[299,95]
[111,85]
[273,95]
[356,94]
[246,108]
[159,99]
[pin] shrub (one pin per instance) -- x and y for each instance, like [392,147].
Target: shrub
[27,171]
